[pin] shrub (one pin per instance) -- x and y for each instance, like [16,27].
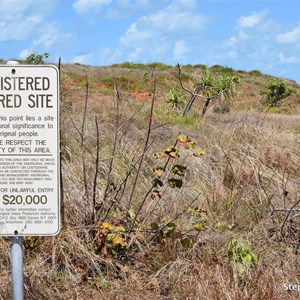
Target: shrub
[240,254]
[200,66]
[36,59]
[255,73]
[276,91]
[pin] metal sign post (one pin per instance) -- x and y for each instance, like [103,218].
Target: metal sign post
[17,267]
[29,158]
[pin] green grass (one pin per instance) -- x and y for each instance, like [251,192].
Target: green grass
[165,114]
[131,65]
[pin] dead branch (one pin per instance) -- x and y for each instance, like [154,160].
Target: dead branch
[96,171]
[82,138]
[196,94]
[142,158]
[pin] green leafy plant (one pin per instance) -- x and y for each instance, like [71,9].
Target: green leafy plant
[198,220]
[275,91]
[36,59]
[168,174]
[32,242]
[110,239]
[240,254]
[177,170]
[175,98]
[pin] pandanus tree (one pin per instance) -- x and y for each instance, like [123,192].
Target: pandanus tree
[211,86]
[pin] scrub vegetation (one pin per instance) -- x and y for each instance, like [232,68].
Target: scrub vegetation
[162,204]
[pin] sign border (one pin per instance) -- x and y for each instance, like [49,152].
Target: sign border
[17,66]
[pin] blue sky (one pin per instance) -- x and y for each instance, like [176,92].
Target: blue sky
[242,34]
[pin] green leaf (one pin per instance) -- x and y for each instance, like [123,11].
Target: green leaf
[131,213]
[155,194]
[248,259]
[119,229]
[170,149]
[172,152]
[157,183]
[199,153]
[171,226]
[175,183]
[116,239]
[106,225]
[182,138]
[190,145]
[159,155]
[200,227]
[178,170]
[186,242]
[159,171]
[240,268]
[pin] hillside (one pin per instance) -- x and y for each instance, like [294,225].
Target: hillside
[132,77]
[157,205]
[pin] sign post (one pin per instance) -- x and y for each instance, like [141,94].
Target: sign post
[29,158]
[17,267]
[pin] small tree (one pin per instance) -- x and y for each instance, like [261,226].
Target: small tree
[275,91]
[222,86]
[211,86]
[36,59]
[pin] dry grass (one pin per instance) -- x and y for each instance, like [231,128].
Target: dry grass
[250,171]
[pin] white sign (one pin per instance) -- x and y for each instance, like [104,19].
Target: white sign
[29,150]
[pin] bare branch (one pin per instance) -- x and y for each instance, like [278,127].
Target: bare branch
[144,151]
[195,94]
[86,194]
[185,88]
[96,171]
[117,111]
[178,215]
[287,216]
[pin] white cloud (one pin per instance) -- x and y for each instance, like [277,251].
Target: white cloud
[287,59]
[157,33]
[126,8]
[84,6]
[289,37]
[24,53]
[135,54]
[253,20]
[12,10]
[14,31]
[49,38]
[50,34]
[108,56]
[231,42]
[21,19]
[83,59]
[180,51]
